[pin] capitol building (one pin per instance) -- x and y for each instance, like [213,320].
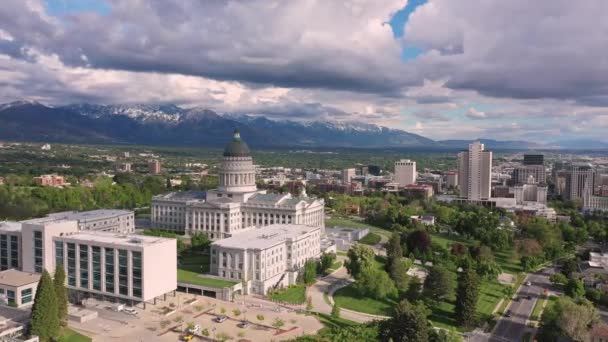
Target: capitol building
[236,205]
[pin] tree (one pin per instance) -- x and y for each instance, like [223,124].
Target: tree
[358,257]
[61,293]
[399,274]
[310,271]
[414,290]
[565,317]
[466,298]
[458,249]
[335,310]
[574,288]
[327,260]
[375,283]
[278,323]
[439,284]
[418,240]
[569,266]
[394,252]
[441,335]
[200,241]
[558,279]
[409,323]
[45,319]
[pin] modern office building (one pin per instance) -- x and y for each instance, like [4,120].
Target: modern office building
[265,258]
[347,175]
[10,245]
[106,220]
[530,193]
[578,178]
[475,172]
[110,266]
[534,159]
[18,288]
[236,205]
[522,174]
[405,172]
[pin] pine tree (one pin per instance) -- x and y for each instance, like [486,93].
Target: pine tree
[61,293]
[45,320]
[466,298]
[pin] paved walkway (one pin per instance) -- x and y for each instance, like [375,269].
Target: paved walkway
[330,284]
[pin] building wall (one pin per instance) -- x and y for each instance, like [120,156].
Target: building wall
[22,296]
[578,178]
[475,172]
[405,172]
[45,244]
[159,269]
[10,250]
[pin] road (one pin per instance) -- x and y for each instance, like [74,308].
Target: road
[513,328]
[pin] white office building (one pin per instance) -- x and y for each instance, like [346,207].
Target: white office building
[578,178]
[236,205]
[265,258]
[405,172]
[348,175]
[105,265]
[106,220]
[475,172]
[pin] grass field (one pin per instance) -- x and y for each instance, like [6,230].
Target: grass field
[349,298]
[334,267]
[371,239]
[294,294]
[538,307]
[194,262]
[69,335]
[189,277]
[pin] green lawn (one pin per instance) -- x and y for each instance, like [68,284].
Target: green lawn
[538,307]
[370,239]
[294,294]
[69,335]
[189,277]
[490,293]
[446,240]
[334,266]
[508,262]
[194,262]
[349,298]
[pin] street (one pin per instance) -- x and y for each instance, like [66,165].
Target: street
[513,328]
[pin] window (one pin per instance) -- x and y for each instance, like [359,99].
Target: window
[59,253]
[96,263]
[109,256]
[38,251]
[26,296]
[123,283]
[136,271]
[83,252]
[71,247]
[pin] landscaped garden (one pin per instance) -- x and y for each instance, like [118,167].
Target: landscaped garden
[293,294]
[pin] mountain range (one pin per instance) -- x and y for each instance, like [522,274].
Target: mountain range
[172,125]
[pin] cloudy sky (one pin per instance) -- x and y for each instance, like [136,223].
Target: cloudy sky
[516,69]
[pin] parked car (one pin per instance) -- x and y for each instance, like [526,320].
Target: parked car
[221,319]
[528,283]
[118,307]
[508,313]
[188,337]
[130,311]
[529,297]
[243,325]
[195,329]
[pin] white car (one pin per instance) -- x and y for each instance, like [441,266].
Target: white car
[195,329]
[528,283]
[130,311]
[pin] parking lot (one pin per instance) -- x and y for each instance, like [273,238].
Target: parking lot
[168,321]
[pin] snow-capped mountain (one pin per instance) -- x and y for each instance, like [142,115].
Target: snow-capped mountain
[173,125]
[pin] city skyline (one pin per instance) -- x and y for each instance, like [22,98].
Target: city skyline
[382,62]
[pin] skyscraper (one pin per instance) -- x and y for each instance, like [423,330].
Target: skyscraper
[347,175]
[534,159]
[475,172]
[579,177]
[405,172]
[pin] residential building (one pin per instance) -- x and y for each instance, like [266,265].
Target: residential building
[107,220]
[405,172]
[236,205]
[578,178]
[347,175]
[417,191]
[124,167]
[475,172]
[50,180]
[154,166]
[451,179]
[18,288]
[266,258]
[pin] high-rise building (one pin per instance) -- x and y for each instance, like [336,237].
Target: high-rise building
[521,174]
[475,172]
[534,159]
[579,177]
[451,179]
[405,172]
[154,166]
[347,175]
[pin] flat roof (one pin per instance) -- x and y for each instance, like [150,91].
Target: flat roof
[114,238]
[183,196]
[46,220]
[265,237]
[16,278]
[10,226]
[92,214]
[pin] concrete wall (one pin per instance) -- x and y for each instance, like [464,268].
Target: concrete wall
[159,265]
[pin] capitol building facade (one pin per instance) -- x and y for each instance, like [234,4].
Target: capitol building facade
[236,205]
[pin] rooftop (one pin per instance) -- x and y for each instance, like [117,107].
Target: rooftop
[10,226]
[113,238]
[265,237]
[92,214]
[237,147]
[16,278]
[183,196]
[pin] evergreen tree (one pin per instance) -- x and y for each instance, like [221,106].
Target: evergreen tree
[394,252]
[61,293]
[439,284]
[466,298]
[409,323]
[45,320]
